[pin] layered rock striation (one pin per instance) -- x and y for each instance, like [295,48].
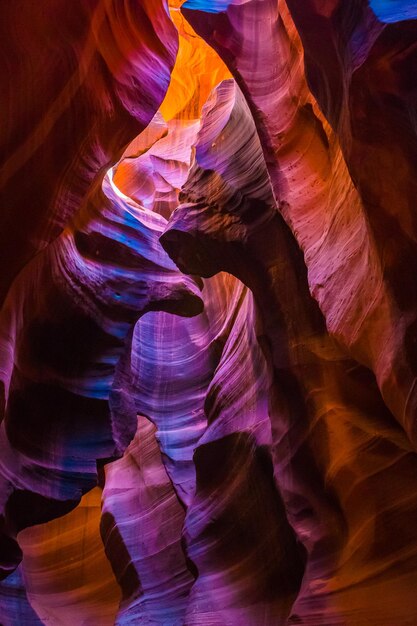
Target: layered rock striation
[208,318]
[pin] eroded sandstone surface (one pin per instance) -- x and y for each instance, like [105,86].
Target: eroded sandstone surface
[208,321]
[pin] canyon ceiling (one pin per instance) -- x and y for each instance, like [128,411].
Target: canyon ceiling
[208,324]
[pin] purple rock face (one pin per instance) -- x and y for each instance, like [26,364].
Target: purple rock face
[208,318]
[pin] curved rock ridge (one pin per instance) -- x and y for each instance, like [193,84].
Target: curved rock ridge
[141,528]
[172,363]
[61,343]
[175,365]
[236,531]
[364,84]
[77,86]
[67,576]
[153,179]
[334,185]
[208,313]
[332,435]
[310,180]
[176,383]
[159,158]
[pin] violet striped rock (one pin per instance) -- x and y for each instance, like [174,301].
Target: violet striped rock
[208,313]
[317,398]
[61,348]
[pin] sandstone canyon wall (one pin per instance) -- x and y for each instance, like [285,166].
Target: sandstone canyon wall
[208,313]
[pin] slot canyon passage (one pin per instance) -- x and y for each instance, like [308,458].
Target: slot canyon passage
[208,325]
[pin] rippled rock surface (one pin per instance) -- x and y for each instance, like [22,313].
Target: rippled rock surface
[208,313]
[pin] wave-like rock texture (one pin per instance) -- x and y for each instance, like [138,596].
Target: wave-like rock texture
[61,344]
[155,165]
[77,85]
[357,237]
[155,177]
[67,576]
[141,527]
[208,319]
[310,179]
[332,434]
[371,105]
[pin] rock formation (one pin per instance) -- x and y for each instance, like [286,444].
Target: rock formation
[208,313]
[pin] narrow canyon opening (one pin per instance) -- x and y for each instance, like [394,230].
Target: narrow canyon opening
[208,318]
